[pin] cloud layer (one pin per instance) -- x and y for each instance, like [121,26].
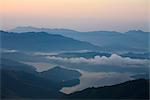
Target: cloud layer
[114,59]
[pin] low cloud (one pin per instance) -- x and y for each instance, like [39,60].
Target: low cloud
[8,51]
[44,54]
[114,59]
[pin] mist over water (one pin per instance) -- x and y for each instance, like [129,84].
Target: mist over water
[93,78]
[114,59]
[97,79]
[97,74]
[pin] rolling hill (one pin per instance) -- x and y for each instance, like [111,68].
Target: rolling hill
[22,81]
[42,42]
[133,40]
[19,84]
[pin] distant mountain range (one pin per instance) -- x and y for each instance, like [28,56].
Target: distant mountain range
[133,40]
[23,56]
[48,30]
[42,42]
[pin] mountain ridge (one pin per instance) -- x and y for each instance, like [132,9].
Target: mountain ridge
[26,29]
[33,41]
[107,40]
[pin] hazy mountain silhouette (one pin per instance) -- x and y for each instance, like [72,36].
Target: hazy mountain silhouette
[136,55]
[109,40]
[15,65]
[48,30]
[41,41]
[141,76]
[23,56]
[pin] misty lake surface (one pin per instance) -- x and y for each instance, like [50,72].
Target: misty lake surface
[97,79]
[87,79]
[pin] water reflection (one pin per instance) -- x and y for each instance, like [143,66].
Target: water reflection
[97,79]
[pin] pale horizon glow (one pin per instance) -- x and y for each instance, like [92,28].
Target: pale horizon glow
[80,15]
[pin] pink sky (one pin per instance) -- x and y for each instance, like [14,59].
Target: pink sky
[82,15]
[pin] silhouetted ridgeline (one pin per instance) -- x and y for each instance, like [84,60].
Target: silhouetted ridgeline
[136,89]
[22,81]
[108,40]
[42,42]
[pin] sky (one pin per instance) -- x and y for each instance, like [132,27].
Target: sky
[80,15]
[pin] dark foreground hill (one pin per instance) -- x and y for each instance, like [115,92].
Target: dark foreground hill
[15,65]
[18,84]
[65,74]
[135,89]
[64,77]
[22,81]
